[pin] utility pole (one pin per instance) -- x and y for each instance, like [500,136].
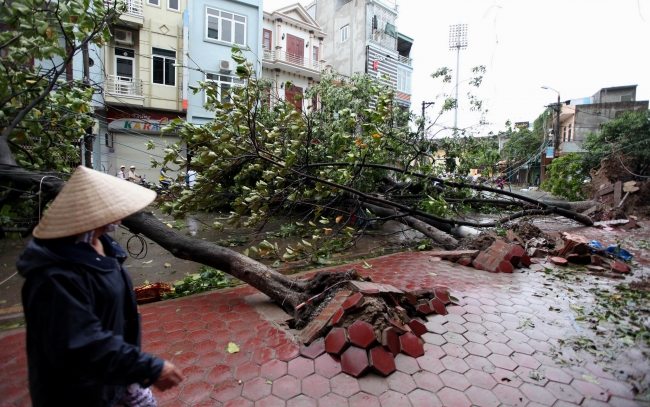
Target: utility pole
[88,138]
[457,41]
[424,118]
[556,143]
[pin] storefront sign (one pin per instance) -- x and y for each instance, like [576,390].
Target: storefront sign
[550,152]
[145,122]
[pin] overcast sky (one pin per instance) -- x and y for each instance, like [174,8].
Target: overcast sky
[573,46]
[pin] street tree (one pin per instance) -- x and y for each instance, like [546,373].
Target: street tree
[355,157]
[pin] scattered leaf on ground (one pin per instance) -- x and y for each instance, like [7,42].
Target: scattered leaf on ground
[232,348]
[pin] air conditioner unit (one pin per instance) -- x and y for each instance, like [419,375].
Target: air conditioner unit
[123,37]
[225,66]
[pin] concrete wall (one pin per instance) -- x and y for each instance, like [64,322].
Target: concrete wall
[613,95]
[350,56]
[590,117]
[208,52]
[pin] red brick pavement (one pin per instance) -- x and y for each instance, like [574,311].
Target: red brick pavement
[478,355]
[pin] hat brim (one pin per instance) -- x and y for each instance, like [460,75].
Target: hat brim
[89,200]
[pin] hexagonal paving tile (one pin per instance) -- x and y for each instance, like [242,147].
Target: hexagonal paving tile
[452,397]
[327,365]
[373,384]
[256,389]
[394,399]
[361,334]
[336,341]
[344,385]
[381,361]
[354,361]
[274,369]
[363,400]
[482,397]
[390,339]
[411,345]
[315,386]
[286,387]
[454,380]
[401,382]
[314,350]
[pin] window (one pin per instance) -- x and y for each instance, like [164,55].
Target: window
[345,32]
[164,72]
[564,134]
[570,132]
[153,3]
[315,54]
[223,83]
[290,96]
[173,5]
[267,38]
[226,27]
[404,80]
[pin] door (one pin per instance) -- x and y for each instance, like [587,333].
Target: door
[267,38]
[295,49]
[124,70]
[290,96]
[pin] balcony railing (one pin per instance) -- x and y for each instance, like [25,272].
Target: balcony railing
[405,60]
[132,7]
[122,86]
[293,60]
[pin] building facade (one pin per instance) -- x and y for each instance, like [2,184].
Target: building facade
[292,44]
[365,39]
[581,116]
[213,27]
[142,85]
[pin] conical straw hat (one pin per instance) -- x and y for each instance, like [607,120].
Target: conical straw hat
[89,200]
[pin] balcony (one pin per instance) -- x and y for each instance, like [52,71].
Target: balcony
[282,59]
[132,12]
[122,90]
[405,60]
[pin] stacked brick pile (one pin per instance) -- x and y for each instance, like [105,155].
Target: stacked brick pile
[358,346]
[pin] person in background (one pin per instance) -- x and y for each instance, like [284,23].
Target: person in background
[191,177]
[122,173]
[536,179]
[133,176]
[164,179]
[83,325]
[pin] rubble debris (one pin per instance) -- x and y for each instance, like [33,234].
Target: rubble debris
[500,257]
[619,252]
[620,267]
[560,261]
[480,242]
[573,244]
[377,322]
[152,292]
[512,236]
[453,255]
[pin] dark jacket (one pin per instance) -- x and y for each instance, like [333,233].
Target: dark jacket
[83,328]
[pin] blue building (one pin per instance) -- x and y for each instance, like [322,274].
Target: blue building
[210,29]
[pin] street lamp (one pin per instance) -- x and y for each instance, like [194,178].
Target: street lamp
[558,108]
[457,41]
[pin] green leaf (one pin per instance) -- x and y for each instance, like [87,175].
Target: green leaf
[232,348]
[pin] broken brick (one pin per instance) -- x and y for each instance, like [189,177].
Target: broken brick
[417,327]
[500,257]
[620,267]
[438,306]
[560,261]
[465,261]
[442,294]
[454,255]
[318,325]
[423,309]
[390,339]
[353,303]
[595,260]
[526,260]
[399,328]
[336,319]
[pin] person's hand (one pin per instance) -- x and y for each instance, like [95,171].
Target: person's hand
[169,377]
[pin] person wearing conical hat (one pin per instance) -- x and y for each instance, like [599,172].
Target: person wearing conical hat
[83,326]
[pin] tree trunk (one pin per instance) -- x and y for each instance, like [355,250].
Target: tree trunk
[438,236]
[287,292]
